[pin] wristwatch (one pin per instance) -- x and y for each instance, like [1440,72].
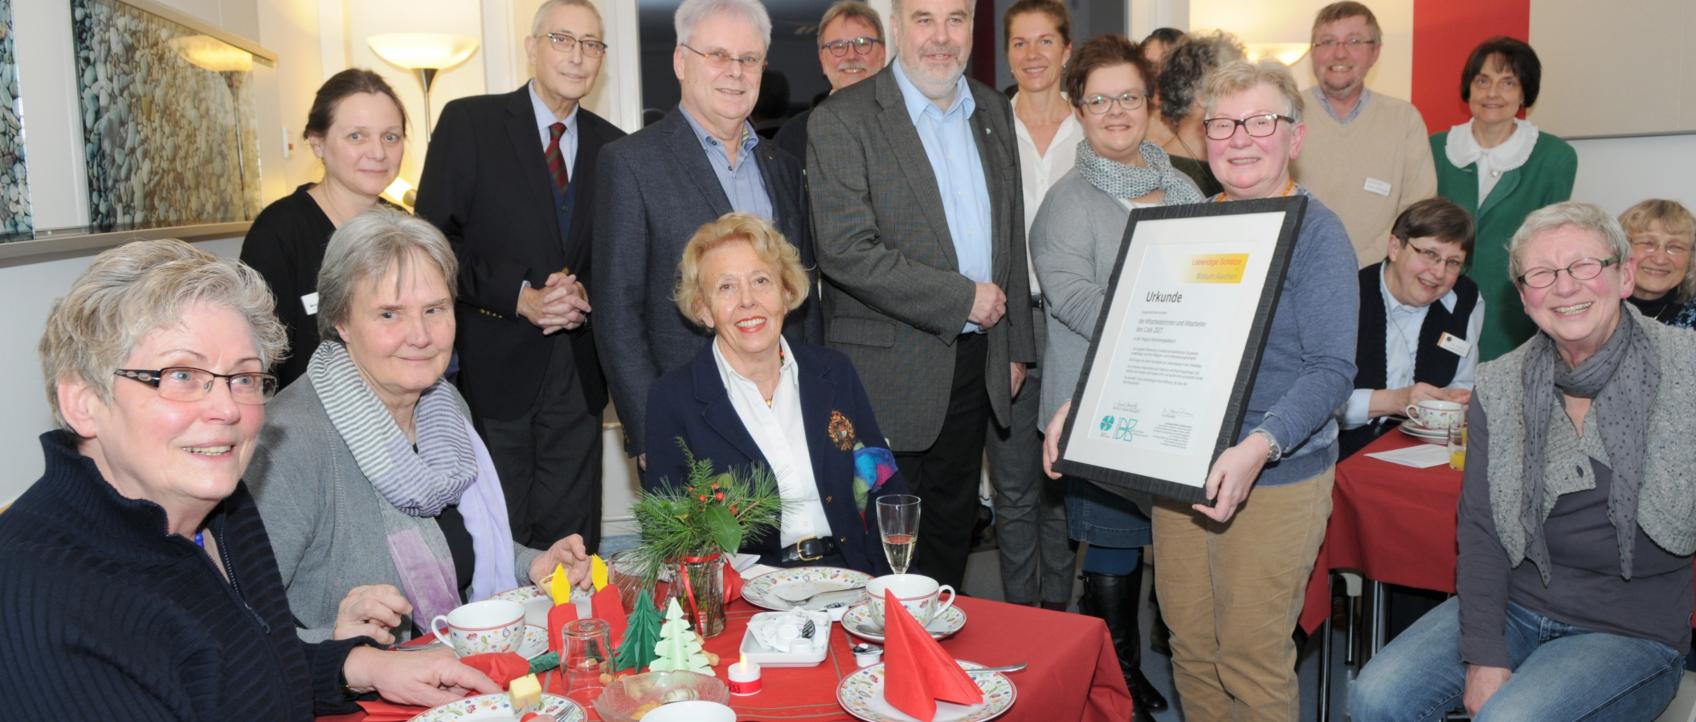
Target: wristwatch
[1273,451]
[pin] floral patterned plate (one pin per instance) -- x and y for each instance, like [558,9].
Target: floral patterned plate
[858,622]
[498,708]
[536,603]
[861,694]
[801,582]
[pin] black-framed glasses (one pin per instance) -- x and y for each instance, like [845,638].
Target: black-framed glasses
[187,383]
[564,42]
[1582,269]
[1349,44]
[1257,126]
[1450,265]
[862,45]
[1100,104]
[720,60]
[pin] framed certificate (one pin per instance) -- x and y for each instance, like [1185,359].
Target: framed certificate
[1178,343]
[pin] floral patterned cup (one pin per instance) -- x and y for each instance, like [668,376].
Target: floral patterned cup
[492,625]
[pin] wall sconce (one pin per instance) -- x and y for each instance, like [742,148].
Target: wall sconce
[233,63]
[1286,53]
[423,53]
[401,193]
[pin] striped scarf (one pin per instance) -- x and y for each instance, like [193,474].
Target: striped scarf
[421,482]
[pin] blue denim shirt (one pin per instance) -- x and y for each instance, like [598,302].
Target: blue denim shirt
[742,183]
[953,154]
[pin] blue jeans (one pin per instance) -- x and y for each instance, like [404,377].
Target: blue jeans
[1560,672]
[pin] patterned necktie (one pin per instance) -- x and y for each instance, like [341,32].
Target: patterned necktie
[556,159]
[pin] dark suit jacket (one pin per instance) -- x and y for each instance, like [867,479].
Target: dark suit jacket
[486,185]
[690,403]
[894,299]
[656,189]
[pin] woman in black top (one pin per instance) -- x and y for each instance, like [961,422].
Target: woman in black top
[1662,234]
[136,579]
[357,127]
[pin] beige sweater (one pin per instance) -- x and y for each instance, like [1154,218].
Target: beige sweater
[1369,170]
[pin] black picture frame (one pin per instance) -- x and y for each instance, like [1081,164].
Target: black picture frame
[1125,480]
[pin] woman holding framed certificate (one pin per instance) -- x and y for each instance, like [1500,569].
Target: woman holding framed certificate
[1074,245]
[1231,574]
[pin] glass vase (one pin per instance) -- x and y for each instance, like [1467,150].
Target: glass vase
[698,585]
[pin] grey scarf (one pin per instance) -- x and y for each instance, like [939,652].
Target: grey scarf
[1621,379]
[1120,180]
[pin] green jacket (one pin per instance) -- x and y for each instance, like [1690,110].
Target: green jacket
[1546,178]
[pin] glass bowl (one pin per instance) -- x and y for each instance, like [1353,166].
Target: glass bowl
[626,699]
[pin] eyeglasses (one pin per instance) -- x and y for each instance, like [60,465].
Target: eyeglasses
[187,383]
[564,42]
[1648,247]
[720,60]
[1257,126]
[1582,269]
[1351,44]
[862,45]
[1450,265]
[1100,104]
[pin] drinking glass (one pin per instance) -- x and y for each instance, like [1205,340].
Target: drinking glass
[587,647]
[1457,447]
[898,520]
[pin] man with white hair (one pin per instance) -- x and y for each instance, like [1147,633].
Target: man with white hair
[657,186]
[914,182]
[1367,156]
[851,49]
[510,181]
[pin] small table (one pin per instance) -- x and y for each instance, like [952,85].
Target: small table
[1073,673]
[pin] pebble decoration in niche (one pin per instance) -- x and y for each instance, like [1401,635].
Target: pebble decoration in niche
[15,219]
[167,141]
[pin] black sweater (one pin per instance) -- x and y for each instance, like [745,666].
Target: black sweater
[103,615]
[286,245]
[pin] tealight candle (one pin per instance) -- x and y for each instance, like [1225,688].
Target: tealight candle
[744,677]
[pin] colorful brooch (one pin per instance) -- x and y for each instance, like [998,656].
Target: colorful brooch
[841,431]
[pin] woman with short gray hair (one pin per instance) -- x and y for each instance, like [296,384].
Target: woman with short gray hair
[1575,525]
[137,567]
[380,497]
[1178,87]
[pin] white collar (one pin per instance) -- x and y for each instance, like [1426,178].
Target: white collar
[1463,150]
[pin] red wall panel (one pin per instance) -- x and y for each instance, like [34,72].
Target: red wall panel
[1444,32]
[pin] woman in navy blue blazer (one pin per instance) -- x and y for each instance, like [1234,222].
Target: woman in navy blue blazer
[752,397]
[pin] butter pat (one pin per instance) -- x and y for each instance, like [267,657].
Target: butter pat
[526,693]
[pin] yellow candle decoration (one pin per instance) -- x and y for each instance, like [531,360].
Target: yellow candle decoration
[598,572]
[560,588]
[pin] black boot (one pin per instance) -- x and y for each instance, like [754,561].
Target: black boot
[1114,600]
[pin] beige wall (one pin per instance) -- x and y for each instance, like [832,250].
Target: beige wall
[1292,22]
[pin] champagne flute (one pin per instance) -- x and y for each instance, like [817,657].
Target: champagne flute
[898,521]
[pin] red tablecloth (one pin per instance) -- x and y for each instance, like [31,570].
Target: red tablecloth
[1073,672]
[1391,523]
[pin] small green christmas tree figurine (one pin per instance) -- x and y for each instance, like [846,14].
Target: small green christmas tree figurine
[679,648]
[636,650]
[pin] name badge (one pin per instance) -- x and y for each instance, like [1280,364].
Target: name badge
[310,301]
[1453,344]
[1380,187]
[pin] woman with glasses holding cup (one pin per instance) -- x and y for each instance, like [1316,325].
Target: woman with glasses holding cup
[137,577]
[1232,575]
[1500,168]
[1074,245]
[1575,525]
[1662,234]
[380,496]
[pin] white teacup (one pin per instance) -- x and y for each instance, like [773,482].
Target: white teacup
[1436,414]
[492,625]
[921,595]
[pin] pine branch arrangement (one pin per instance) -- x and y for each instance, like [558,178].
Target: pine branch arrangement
[709,513]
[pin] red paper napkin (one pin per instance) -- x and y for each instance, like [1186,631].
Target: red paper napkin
[916,672]
[380,711]
[558,615]
[732,584]
[501,667]
[607,607]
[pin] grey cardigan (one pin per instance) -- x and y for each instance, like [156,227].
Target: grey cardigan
[323,515]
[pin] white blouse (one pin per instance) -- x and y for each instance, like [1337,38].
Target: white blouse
[781,434]
[1462,150]
[1038,172]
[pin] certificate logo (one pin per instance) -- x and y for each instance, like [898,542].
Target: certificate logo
[1117,428]
[1216,268]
